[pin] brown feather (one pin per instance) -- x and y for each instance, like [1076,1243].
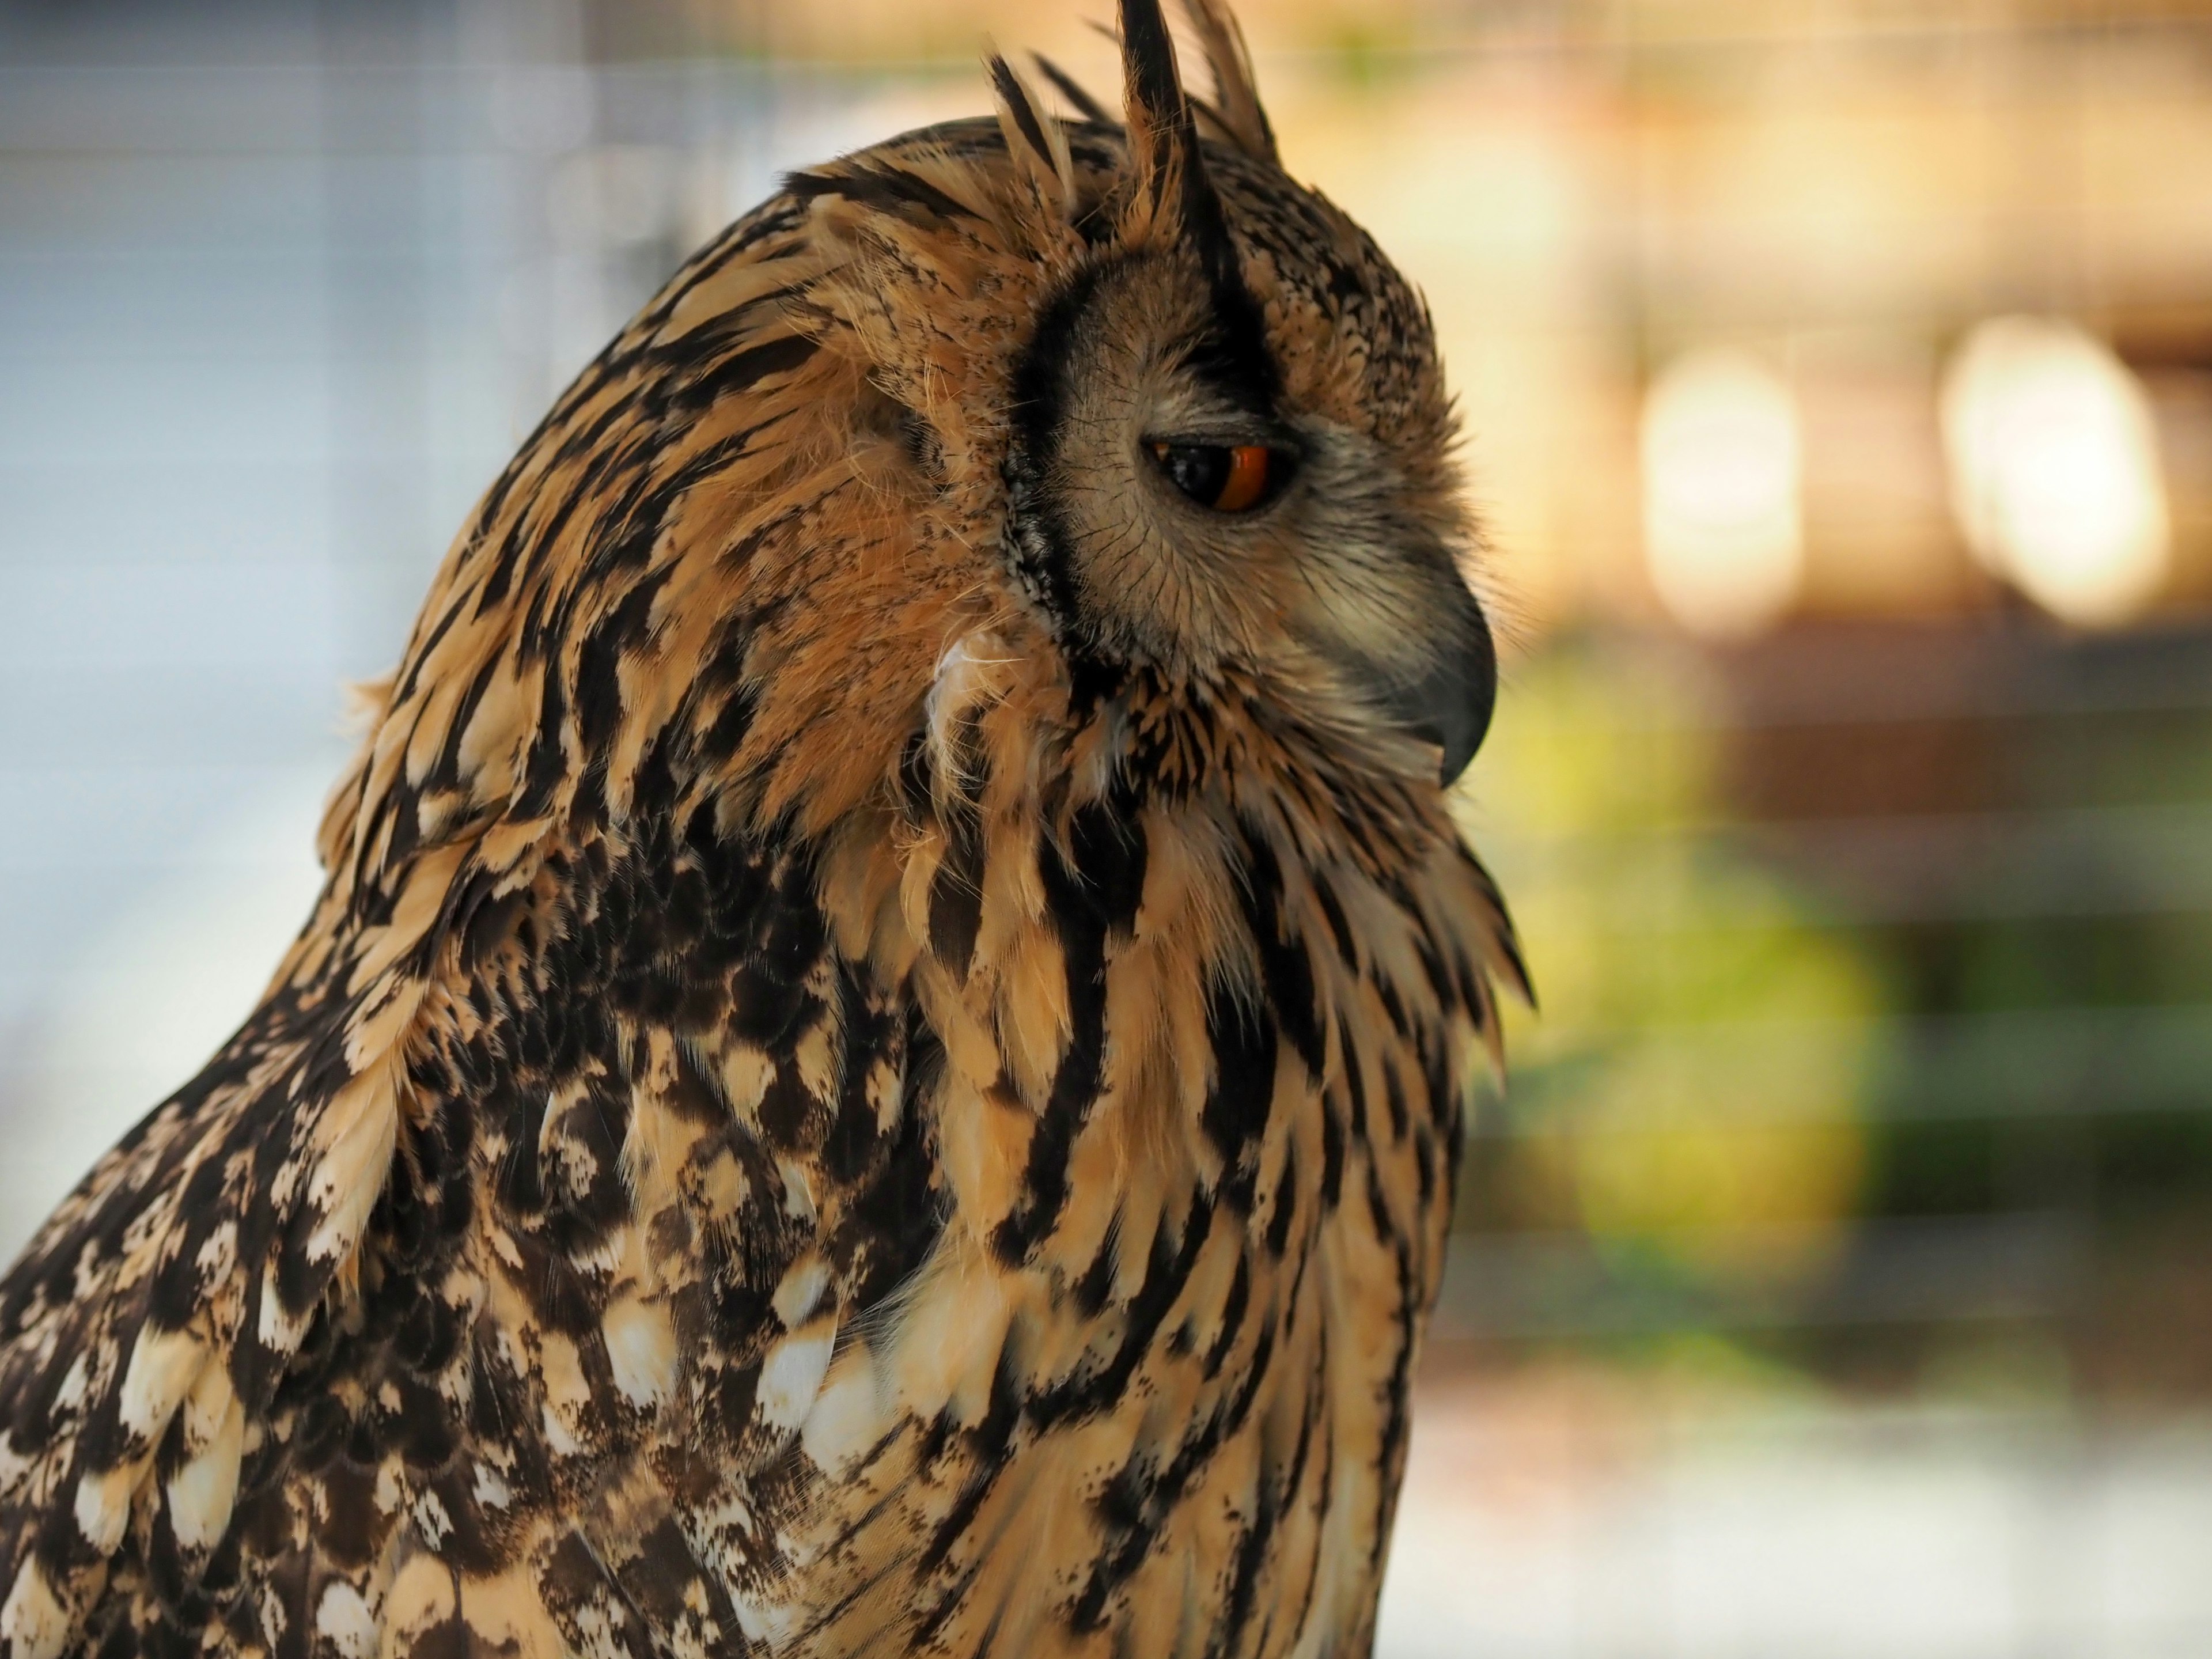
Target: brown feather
[814,1111]
[1236,105]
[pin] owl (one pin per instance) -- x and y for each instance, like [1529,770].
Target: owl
[878,1066]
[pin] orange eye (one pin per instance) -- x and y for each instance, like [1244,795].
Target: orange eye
[1228,478]
[1248,479]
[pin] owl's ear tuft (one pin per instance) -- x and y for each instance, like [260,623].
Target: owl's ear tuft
[1170,199]
[1171,205]
[1236,109]
[1034,138]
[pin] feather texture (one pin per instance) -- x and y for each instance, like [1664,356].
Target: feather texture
[1236,107]
[820,1110]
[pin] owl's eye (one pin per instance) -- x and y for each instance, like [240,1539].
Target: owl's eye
[1227,477]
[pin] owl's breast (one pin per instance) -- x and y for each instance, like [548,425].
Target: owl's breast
[1193,1139]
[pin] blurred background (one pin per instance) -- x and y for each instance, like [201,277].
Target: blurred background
[1835,1277]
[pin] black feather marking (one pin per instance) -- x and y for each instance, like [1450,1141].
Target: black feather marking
[1394,1096]
[1096,1284]
[916,777]
[1081,925]
[1038,538]
[1108,841]
[742,370]
[1233,1310]
[1242,1041]
[1331,1155]
[1167,1271]
[587,1601]
[1242,1596]
[1154,92]
[548,763]
[599,683]
[956,893]
[1027,119]
[1340,928]
[1397,1404]
[1355,1078]
[1444,1102]
[1285,1205]
[1285,967]
[446,771]
[989,1439]
[885,188]
[1394,1007]
[1138,1499]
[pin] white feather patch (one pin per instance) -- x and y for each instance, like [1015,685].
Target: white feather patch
[431,1519]
[848,1417]
[791,1375]
[800,1289]
[641,1350]
[33,1619]
[358,1131]
[491,1489]
[344,1620]
[207,1408]
[970,671]
[558,1440]
[163,1366]
[71,1395]
[218,1254]
[103,1506]
[797,1191]
[202,1493]
[761,1621]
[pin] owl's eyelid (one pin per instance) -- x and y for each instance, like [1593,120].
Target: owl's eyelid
[1228,435]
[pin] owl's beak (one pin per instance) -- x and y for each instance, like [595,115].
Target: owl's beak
[1450,704]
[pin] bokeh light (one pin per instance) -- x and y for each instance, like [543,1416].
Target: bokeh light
[1723,525]
[2054,470]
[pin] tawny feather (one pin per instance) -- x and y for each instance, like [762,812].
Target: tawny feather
[878,1064]
[1236,105]
[1033,138]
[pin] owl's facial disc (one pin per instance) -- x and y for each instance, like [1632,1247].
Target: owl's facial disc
[1172,508]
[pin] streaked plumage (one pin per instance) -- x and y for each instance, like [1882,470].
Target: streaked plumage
[880,1066]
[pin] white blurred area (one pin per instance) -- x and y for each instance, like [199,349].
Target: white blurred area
[1568,1517]
[132,1010]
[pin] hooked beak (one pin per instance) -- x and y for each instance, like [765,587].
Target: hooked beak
[1450,704]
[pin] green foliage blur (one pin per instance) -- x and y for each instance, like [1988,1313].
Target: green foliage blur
[1874,1035]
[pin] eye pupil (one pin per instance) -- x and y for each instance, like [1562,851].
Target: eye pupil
[1228,478]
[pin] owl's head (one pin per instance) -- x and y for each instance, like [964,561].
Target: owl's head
[1115,394]
[1220,424]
